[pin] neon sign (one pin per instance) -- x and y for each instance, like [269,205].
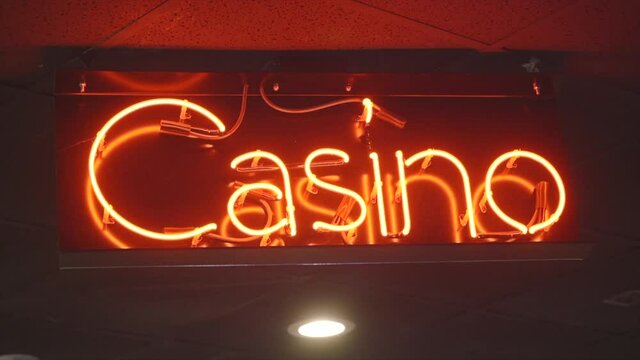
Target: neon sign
[98,146]
[313,179]
[356,208]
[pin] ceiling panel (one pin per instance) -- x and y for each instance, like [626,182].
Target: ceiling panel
[565,25]
[486,21]
[594,25]
[66,23]
[280,25]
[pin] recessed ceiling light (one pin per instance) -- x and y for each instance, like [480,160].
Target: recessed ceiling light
[320,328]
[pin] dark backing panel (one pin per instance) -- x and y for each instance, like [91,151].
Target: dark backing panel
[159,180]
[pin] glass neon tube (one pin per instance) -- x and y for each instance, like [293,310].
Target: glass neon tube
[100,137]
[320,225]
[465,181]
[562,196]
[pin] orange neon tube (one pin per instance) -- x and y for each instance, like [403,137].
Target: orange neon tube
[377,183]
[323,226]
[523,183]
[402,183]
[366,190]
[224,224]
[97,219]
[288,197]
[368,110]
[300,195]
[465,181]
[562,196]
[234,218]
[100,137]
[113,145]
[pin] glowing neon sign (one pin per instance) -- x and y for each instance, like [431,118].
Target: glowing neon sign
[506,218]
[98,144]
[291,218]
[323,226]
[347,219]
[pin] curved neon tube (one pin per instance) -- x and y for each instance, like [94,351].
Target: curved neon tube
[224,224]
[224,236]
[300,195]
[320,225]
[113,145]
[234,218]
[97,219]
[465,181]
[368,110]
[290,208]
[562,196]
[523,183]
[402,181]
[94,181]
[377,183]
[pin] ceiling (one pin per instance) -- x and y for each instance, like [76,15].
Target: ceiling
[485,25]
[418,311]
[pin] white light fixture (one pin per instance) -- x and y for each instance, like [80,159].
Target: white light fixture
[320,328]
